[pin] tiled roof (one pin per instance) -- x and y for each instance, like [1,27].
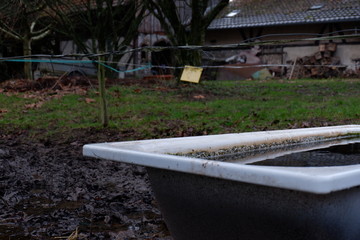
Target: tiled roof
[251,13]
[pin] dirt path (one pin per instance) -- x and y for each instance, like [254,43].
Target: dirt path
[48,190]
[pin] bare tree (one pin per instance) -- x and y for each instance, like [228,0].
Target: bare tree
[185,23]
[98,26]
[24,21]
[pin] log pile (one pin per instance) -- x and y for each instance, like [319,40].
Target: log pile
[322,64]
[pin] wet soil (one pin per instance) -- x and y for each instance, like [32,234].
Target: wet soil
[49,190]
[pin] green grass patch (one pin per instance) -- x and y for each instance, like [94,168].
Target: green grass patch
[211,107]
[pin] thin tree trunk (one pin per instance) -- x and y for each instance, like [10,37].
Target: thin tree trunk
[27,52]
[103,103]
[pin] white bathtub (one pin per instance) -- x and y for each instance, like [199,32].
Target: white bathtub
[206,199]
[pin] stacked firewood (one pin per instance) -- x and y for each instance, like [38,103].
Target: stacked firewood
[322,64]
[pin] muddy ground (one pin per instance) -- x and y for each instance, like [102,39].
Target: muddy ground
[48,190]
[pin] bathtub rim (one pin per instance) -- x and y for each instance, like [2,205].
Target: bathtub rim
[156,153]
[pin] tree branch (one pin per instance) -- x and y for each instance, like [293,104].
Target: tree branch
[11,34]
[41,35]
[211,15]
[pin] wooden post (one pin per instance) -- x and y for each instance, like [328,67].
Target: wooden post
[293,68]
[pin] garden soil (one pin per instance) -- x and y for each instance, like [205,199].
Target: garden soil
[48,190]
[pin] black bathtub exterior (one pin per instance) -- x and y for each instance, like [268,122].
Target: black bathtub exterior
[197,207]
